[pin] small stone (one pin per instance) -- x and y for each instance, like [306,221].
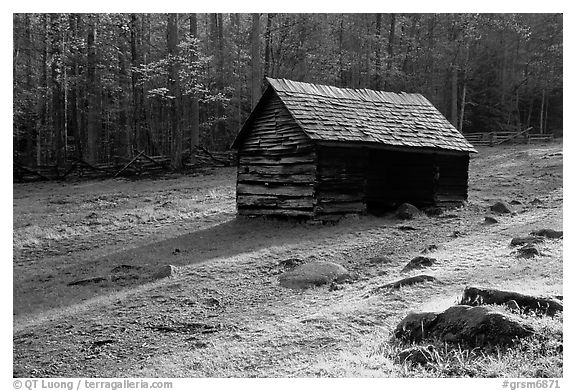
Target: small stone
[501,207]
[528,251]
[456,234]
[429,248]
[490,220]
[407,212]
[379,260]
[88,281]
[536,201]
[419,262]
[165,271]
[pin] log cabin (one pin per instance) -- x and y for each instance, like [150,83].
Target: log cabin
[320,152]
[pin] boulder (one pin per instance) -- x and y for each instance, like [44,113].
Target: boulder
[501,207]
[407,212]
[313,274]
[548,233]
[464,324]
[165,271]
[480,296]
[519,241]
[419,262]
[421,355]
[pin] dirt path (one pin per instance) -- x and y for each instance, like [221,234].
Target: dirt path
[229,317]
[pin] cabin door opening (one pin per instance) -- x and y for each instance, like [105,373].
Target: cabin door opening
[396,177]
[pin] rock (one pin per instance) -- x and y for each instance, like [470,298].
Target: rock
[415,326]
[528,251]
[490,220]
[418,263]
[548,233]
[515,202]
[456,234]
[290,263]
[526,240]
[165,271]
[407,212]
[475,326]
[313,274]
[501,207]
[406,228]
[407,281]
[433,211]
[124,268]
[379,260]
[422,355]
[429,248]
[481,296]
[87,281]
[536,201]
[512,305]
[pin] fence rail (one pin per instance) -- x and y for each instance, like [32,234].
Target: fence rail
[506,137]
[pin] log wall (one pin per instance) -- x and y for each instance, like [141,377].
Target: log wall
[341,181]
[276,165]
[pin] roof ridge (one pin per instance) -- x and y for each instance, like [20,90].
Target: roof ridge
[331,87]
[359,94]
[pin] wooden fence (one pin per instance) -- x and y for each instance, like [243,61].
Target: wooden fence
[506,137]
[140,165]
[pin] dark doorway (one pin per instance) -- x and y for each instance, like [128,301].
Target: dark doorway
[397,177]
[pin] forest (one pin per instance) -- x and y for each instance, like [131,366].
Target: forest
[97,87]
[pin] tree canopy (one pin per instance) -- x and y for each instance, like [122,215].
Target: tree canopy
[96,86]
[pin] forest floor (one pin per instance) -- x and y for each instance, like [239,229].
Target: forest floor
[224,313]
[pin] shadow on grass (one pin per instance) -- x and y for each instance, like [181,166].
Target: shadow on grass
[239,235]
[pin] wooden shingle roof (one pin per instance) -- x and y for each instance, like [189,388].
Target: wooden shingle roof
[333,114]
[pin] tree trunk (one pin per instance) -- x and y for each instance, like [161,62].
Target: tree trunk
[255,56]
[123,99]
[454,100]
[93,128]
[57,103]
[391,36]
[194,109]
[174,86]
[378,76]
[268,48]
[137,90]
[542,111]
[462,108]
